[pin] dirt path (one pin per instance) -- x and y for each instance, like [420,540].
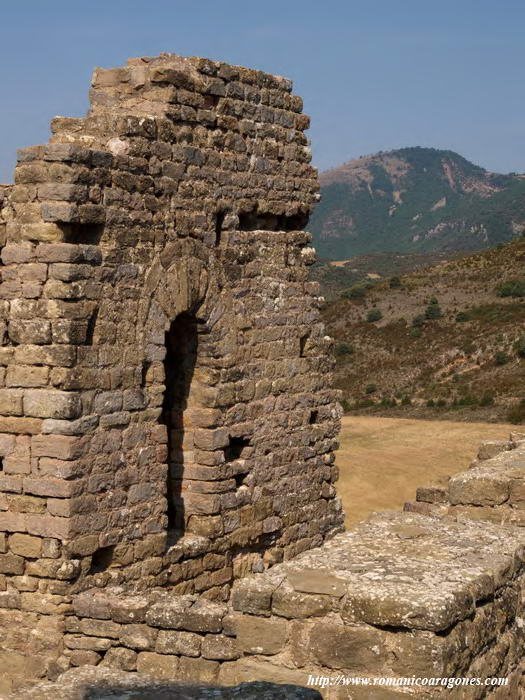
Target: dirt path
[383,460]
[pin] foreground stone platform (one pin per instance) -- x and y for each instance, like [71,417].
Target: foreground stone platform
[402,594]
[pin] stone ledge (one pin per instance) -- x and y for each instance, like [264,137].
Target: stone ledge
[491,490]
[396,569]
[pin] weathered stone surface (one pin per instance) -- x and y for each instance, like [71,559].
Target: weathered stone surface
[288,603]
[104,682]
[25,546]
[100,628]
[186,613]
[257,635]
[205,670]
[352,648]
[40,403]
[253,595]
[491,448]
[317,581]
[92,604]
[167,613]
[139,637]
[128,609]
[175,642]
[91,643]
[80,657]
[158,665]
[124,659]
[404,570]
[219,647]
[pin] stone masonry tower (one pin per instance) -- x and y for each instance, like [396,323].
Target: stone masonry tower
[165,411]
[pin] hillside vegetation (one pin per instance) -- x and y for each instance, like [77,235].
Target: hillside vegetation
[338,275]
[446,341]
[415,200]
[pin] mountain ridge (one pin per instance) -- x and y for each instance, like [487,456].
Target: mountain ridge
[415,199]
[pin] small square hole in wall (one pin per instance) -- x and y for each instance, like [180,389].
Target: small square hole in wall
[145,368]
[314,415]
[235,448]
[239,479]
[254,220]
[102,559]
[89,234]
[90,331]
[1,464]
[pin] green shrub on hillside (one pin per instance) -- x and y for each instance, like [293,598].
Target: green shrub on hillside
[356,291]
[462,316]
[370,388]
[487,399]
[406,401]
[501,358]
[433,310]
[441,403]
[374,315]
[365,403]
[344,349]
[395,282]
[520,347]
[512,288]
[468,347]
[418,321]
[467,400]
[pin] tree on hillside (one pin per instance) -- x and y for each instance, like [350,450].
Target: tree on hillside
[433,310]
[374,315]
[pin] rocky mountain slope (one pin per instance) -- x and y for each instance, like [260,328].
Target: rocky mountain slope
[448,339]
[415,200]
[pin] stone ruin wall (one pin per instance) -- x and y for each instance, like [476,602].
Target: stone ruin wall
[402,595]
[167,427]
[491,490]
[161,235]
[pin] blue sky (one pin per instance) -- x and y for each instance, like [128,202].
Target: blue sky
[374,74]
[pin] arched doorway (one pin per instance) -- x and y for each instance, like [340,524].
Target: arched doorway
[182,341]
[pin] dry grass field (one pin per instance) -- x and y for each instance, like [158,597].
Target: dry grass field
[383,460]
